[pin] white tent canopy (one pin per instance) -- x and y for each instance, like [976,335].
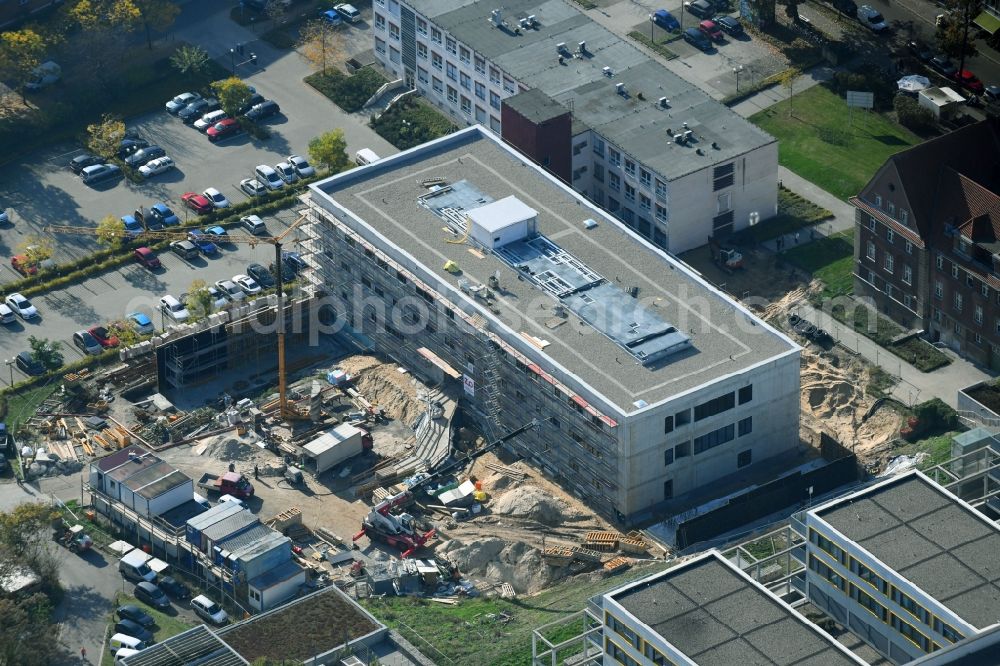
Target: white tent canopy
[913,83]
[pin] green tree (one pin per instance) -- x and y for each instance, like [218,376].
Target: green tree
[110,231]
[232,94]
[953,34]
[125,331]
[105,14]
[101,47]
[20,53]
[199,300]
[275,11]
[36,248]
[156,15]
[105,137]
[320,44]
[330,150]
[20,527]
[190,60]
[46,352]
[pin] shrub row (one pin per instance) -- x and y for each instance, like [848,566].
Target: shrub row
[348,92]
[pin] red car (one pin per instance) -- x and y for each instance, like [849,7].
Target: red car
[146,257]
[711,30]
[104,337]
[197,202]
[222,129]
[967,79]
[23,265]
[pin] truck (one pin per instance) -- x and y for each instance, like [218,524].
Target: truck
[230,483]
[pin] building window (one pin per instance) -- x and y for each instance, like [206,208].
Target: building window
[480,65]
[379,22]
[985,290]
[745,426]
[614,181]
[614,157]
[871,222]
[450,46]
[668,424]
[957,302]
[723,176]
[904,216]
[422,51]
[379,46]
[715,406]
[940,262]
[890,235]
[613,204]
[435,35]
[682,450]
[909,247]
[466,105]
[394,31]
[910,633]
[629,192]
[878,201]
[827,546]
[465,81]
[888,262]
[938,290]
[661,213]
[746,394]
[978,315]
[508,86]
[947,631]
[661,189]
[870,251]
[494,76]
[480,90]
[598,146]
[452,95]
[744,458]
[717,437]
[645,178]
[437,84]
[599,173]
[394,54]
[954,271]
[630,168]
[437,62]
[644,201]
[579,147]
[668,457]
[826,572]
[668,493]
[451,71]
[869,576]
[495,124]
[682,417]
[725,202]
[871,278]
[494,100]
[907,274]
[464,55]
[421,26]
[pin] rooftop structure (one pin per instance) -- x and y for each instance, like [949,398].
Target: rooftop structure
[195,646]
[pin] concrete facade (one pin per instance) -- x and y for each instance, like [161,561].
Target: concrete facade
[624,436]
[647,145]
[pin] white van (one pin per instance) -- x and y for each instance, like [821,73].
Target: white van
[133,567]
[123,641]
[208,610]
[209,119]
[122,654]
[269,177]
[174,309]
[366,156]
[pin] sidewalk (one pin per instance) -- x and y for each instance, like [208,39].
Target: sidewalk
[778,93]
[914,386]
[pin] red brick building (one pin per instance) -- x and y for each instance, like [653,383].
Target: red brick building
[927,240]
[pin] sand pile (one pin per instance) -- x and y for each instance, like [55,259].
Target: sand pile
[229,449]
[384,386]
[533,503]
[497,561]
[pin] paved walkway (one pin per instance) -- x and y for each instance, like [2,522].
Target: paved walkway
[914,386]
[778,93]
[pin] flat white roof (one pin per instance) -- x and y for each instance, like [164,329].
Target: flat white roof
[501,214]
[331,438]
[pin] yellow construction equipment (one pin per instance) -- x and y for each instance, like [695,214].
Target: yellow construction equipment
[286,411]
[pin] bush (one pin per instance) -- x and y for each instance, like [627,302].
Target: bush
[412,122]
[348,92]
[911,115]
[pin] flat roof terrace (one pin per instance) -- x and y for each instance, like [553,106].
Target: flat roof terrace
[929,537]
[718,617]
[725,338]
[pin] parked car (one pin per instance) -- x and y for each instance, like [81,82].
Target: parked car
[135,614]
[197,202]
[135,630]
[177,104]
[252,101]
[209,119]
[230,290]
[184,249]
[86,342]
[223,129]
[173,308]
[106,338]
[261,275]
[129,145]
[174,588]
[292,262]
[348,12]
[203,242]
[218,300]
[870,17]
[695,38]
[194,111]
[161,214]
[666,20]
[700,8]
[331,17]
[254,225]
[143,326]
[970,81]
[149,593]
[992,93]
[80,162]
[730,25]
[217,199]
[263,110]
[253,187]
[711,30]
[943,66]
[846,7]
[6,317]
[247,284]
[923,53]
[208,610]
[269,177]
[132,226]
[286,172]
[156,166]
[146,258]
[218,234]
[28,364]
[100,173]
[23,265]
[21,306]
[301,166]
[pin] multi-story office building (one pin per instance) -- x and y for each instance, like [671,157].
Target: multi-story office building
[476,267]
[927,240]
[905,565]
[674,165]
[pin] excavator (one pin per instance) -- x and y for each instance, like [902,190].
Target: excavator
[728,259]
[402,531]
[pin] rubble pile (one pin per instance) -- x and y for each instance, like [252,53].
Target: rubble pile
[533,503]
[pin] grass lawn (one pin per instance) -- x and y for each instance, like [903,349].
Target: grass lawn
[166,625]
[828,259]
[816,143]
[22,404]
[412,122]
[937,448]
[469,633]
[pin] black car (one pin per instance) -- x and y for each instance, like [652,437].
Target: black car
[196,110]
[697,39]
[263,110]
[700,8]
[846,7]
[144,155]
[942,65]
[130,145]
[261,275]
[730,25]
[173,588]
[150,594]
[27,364]
[81,162]
[923,53]
[135,630]
[254,100]
[135,614]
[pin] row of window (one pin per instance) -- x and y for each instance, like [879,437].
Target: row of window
[958,303]
[970,280]
[615,159]
[890,234]
[904,215]
[633,639]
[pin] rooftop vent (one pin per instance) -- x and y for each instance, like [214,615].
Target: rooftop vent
[590,223]
[581,47]
[670,131]
[533,21]
[715,145]
[524,23]
[561,47]
[664,102]
[496,17]
[687,135]
[620,88]
[607,72]
[700,151]
[685,124]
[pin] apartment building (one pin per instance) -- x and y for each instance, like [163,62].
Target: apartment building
[908,567]
[927,240]
[477,268]
[652,149]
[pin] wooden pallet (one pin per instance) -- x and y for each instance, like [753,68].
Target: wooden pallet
[507,591]
[617,564]
[510,472]
[604,541]
[634,546]
[557,555]
[586,554]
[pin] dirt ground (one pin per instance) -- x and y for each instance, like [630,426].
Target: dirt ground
[761,279]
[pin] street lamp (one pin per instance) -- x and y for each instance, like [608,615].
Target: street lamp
[232,60]
[736,71]
[252,28]
[10,366]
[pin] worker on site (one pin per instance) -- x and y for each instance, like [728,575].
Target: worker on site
[256,472]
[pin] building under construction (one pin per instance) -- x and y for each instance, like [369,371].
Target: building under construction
[471,265]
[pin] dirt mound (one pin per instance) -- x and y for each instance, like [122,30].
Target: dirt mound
[230,449]
[516,563]
[384,386]
[533,503]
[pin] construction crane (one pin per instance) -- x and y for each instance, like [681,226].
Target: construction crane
[401,531]
[276,241]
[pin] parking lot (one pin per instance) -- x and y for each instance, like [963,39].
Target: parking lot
[41,190]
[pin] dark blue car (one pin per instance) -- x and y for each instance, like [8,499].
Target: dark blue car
[666,20]
[204,243]
[163,215]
